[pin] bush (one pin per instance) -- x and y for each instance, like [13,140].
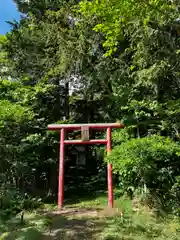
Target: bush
[13,202]
[120,136]
[150,164]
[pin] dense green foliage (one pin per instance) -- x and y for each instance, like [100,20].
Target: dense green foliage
[151,165]
[91,61]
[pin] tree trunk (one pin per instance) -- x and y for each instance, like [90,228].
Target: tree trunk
[66,101]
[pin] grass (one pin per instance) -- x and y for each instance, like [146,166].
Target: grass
[141,227]
[91,219]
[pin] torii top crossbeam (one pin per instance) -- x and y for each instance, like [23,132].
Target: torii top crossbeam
[90,125]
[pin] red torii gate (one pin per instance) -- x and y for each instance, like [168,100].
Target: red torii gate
[84,140]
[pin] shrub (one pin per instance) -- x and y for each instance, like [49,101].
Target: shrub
[13,202]
[151,164]
[120,136]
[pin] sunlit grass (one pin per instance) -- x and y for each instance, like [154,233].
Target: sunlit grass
[125,224]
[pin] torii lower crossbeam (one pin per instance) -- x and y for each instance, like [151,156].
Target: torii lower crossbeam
[85,140]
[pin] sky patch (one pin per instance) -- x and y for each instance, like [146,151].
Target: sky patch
[8,12]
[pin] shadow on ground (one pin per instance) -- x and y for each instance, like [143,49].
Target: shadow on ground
[91,224]
[74,224]
[68,224]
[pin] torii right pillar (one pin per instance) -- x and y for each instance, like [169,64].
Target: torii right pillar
[109,171]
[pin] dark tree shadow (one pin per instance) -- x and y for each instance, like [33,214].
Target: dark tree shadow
[64,227]
[24,234]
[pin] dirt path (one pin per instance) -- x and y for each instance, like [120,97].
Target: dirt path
[75,224]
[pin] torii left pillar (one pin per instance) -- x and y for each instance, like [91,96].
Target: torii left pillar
[83,127]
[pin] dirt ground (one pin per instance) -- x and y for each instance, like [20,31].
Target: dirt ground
[77,223]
